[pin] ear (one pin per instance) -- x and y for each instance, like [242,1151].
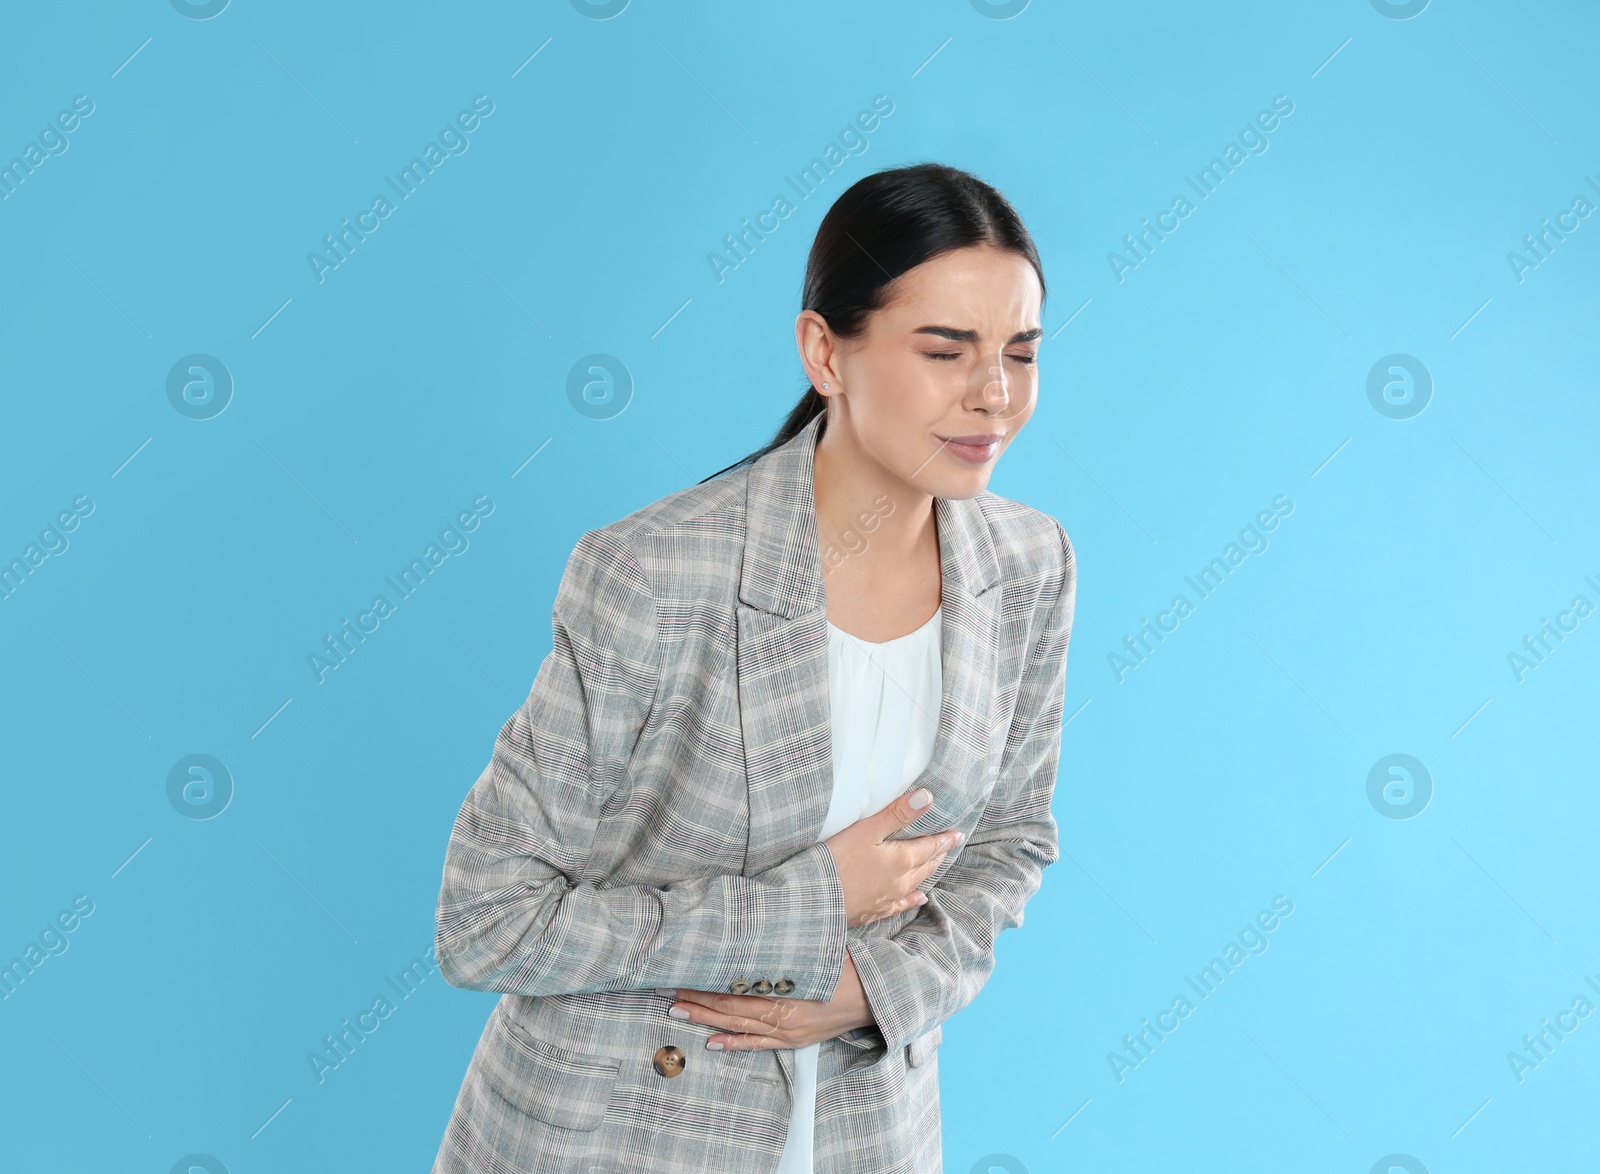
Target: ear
[818,350]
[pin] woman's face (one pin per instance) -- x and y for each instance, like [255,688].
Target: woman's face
[947,364]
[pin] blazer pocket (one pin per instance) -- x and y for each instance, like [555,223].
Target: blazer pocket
[919,1049]
[556,1085]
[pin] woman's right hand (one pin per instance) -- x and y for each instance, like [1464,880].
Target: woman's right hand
[881,876]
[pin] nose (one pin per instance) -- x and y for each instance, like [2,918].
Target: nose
[996,391]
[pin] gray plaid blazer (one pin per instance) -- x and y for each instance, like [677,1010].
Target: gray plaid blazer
[650,819]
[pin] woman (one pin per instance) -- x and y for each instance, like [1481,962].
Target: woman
[786,772]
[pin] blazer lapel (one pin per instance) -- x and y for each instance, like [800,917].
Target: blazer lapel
[783,661]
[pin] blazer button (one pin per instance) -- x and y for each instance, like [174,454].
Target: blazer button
[739,987]
[762,988]
[669,1060]
[783,986]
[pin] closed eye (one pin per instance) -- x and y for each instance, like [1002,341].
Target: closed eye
[957,354]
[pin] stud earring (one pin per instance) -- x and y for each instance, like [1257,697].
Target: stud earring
[825,386]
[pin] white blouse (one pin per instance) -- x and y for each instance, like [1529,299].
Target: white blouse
[884,700]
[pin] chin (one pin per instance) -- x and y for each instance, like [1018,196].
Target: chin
[958,487]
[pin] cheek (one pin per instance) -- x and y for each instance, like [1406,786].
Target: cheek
[905,406]
[906,394]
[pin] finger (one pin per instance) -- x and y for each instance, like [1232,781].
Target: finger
[755,1014]
[685,995]
[747,1043]
[941,846]
[903,812]
[886,908]
[927,850]
[756,1007]
[914,900]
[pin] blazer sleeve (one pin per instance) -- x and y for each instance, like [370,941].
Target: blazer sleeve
[937,963]
[515,914]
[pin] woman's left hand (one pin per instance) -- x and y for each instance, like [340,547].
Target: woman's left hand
[751,1022]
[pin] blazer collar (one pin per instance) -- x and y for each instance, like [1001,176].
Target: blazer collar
[782,570]
[785,710]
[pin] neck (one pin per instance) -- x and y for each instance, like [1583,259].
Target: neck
[863,509]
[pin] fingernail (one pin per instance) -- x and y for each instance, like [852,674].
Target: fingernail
[670,991]
[678,1013]
[920,798]
[713,1047]
[960,836]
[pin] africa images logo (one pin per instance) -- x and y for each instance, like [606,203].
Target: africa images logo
[1399,786]
[1399,386]
[199,386]
[599,386]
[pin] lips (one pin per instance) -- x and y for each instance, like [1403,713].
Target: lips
[976,448]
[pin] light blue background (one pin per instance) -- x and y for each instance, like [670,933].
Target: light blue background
[369,409]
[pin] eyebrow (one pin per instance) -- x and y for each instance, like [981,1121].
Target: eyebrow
[955,335]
